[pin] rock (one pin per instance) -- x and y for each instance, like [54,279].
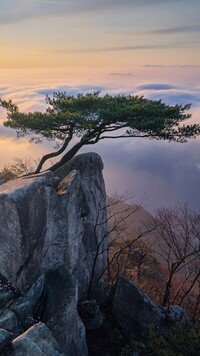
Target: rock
[10,322]
[54,219]
[29,307]
[90,314]
[61,315]
[36,341]
[105,340]
[93,214]
[5,338]
[174,314]
[22,221]
[54,225]
[7,291]
[135,313]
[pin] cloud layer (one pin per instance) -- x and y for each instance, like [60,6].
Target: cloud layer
[157,173]
[25,9]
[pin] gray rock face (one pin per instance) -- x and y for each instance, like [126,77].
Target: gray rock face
[38,340]
[7,292]
[43,226]
[175,314]
[5,338]
[27,307]
[54,223]
[10,322]
[135,312]
[92,197]
[61,315]
[90,314]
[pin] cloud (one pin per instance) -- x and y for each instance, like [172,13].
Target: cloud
[172,97]
[121,48]
[130,47]
[33,97]
[71,90]
[170,94]
[2,89]
[176,30]
[155,86]
[163,173]
[122,74]
[171,65]
[167,45]
[154,90]
[12,11]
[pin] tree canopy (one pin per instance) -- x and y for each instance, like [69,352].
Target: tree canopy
[92,117]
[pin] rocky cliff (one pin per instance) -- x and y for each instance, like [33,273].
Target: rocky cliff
[51,227]
[53,251]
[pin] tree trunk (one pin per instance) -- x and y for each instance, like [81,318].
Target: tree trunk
[53,154]
[167,290]
[69,155]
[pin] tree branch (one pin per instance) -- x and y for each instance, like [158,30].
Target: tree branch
[54,154]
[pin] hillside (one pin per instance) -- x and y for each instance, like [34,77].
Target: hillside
[128,220]
[160,255]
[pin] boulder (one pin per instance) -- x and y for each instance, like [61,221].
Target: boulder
[53,248]
[5,339]
[10,322]
[7,291]
[54,219]
[135,312]
[38,340]
[29,307]
[61,315]
[90,314]
[174,314]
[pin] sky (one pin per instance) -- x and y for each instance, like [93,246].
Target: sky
[141,47]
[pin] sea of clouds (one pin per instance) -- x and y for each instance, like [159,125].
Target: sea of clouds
[156,173]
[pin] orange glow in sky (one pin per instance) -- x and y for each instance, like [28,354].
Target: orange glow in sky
[142,47]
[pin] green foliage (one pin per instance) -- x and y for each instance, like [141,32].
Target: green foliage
[92,118]
[183,341]
[132,348]
[6,174]
[93,114]
[178,341]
